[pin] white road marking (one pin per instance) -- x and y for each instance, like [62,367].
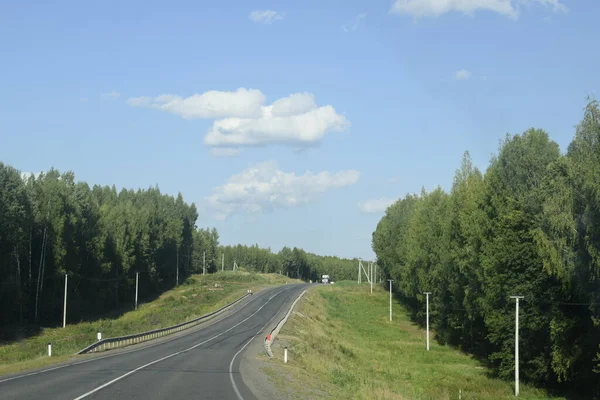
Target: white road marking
[237,392]
[124,352]
[174,354]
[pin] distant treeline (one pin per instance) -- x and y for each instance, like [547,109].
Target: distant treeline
[51,225]
[529,226]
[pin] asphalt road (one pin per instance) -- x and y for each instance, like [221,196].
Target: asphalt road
[202,364]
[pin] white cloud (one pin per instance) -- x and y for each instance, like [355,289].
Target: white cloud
[355,23]
[265,16]
[263,187]
[224,152]
[112,95]
[302,129]
[294,104]
[246,121]
[212,104]
[509,8]
[376,205]
[462,75]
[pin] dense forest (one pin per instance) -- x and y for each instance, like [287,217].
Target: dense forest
[51,225]
[529,226]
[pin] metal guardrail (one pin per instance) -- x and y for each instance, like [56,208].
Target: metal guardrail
[121,341]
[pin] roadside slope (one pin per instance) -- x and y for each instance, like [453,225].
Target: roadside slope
[198,295]
[342,345]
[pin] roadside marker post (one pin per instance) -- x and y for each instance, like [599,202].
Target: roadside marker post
[49,349]
[285,358]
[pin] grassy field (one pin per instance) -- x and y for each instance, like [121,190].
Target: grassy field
[195,297]
[342,345]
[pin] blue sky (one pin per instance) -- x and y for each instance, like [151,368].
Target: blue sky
[287,123]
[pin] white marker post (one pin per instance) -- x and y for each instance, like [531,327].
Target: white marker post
[99,336]
[49,349]
[285,355]
[427,294]
[390,281]
[65,304]
[137,274]
[517,343]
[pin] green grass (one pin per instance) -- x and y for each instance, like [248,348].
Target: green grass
[195,297]
[341,341]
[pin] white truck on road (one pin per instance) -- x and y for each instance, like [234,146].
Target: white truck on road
[325,279]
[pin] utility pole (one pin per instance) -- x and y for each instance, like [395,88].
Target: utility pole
[204,263]
[371,273]
[375,274]
[137,276]
[427,294]
[222,262]
[177,274]
[65,305]
[390,281]
[517,343]
[359,270]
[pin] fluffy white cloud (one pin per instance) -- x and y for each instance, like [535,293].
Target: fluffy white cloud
[509,8]
[265,16]
[301,129]
[462,75]
[263,187]
[112,95]
[212,104]
[246,120]
[376,205]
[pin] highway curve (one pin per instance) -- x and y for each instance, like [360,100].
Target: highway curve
[202,364]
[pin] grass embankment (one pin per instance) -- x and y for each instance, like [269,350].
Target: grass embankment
[195,297]
[342,345]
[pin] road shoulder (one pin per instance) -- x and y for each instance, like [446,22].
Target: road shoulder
[262,375]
